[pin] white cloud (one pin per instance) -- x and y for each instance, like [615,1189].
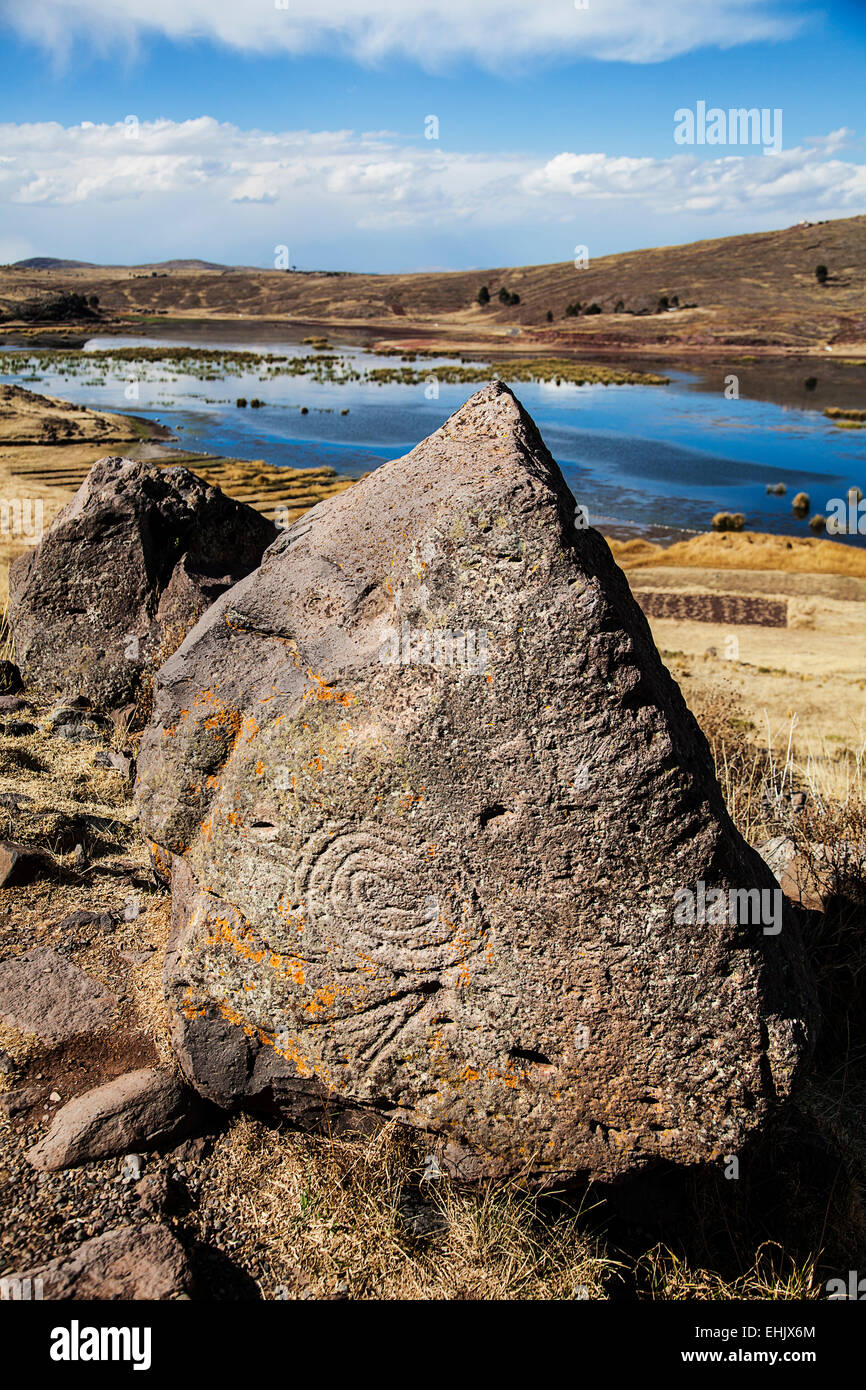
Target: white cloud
[133,191]
[431,32]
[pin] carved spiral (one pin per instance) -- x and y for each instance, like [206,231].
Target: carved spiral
[369,880]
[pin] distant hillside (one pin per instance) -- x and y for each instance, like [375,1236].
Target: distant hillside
[51,263]
[759,291]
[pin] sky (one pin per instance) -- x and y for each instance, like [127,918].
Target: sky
[420,134]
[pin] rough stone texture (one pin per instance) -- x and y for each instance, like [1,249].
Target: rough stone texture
[407,890]
[21,864]
[42,993]
[139,1110]
[123,573]
[132,1262]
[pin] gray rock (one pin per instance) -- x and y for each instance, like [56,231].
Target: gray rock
[11,704]
[20,1098]
[132,1262]
[22,864]
[122,574]
[41,993]
[99,921]
[142,1108]
[440,877]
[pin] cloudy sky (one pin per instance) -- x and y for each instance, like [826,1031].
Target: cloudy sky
[409,134]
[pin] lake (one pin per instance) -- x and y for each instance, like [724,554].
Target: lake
[659,460]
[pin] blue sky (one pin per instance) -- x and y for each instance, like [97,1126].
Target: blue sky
[133,130]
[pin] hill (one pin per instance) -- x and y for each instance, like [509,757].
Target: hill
[758,292]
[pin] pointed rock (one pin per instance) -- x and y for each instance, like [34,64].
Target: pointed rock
[438,812]
[125,570]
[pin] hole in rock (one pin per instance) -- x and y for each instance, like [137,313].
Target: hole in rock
[491,813]
[526,1055]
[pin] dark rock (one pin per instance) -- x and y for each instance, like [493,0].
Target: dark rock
[159,1194]
[99,921]
[15,800]
[22,864]
[11,704]
[142,1109]
[19,1099]
[42,993]
[118,762]
[17,728]
[10,678]
[446,883]
[123,573]
[132,1262]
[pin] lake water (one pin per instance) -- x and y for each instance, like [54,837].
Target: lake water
[659,459]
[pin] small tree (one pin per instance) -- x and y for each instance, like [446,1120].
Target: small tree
[484,295]
[504,296]
[550,316]
[514,299]
[821,273]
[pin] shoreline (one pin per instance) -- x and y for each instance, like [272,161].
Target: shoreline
[775,374]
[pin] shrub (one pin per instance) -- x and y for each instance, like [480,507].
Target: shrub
[241,401]
[483,295]
[593,308]
[821,273]
[729,521]
[810,383]
[550,316]
[800,505]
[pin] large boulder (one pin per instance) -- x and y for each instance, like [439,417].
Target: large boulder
[125,570]
[437,813]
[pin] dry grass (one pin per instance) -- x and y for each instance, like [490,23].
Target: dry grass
[329,1216]
[774,1275]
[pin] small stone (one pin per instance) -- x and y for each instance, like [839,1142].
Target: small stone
[21,864]
[131,1167]
[77,921]
[55,1096]
[132,1262]
[22,1098]
[148,1108]
[42,993]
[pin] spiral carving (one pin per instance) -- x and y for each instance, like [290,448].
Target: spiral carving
[368,879]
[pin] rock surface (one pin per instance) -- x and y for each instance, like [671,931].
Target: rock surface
[133,1262]
[123,573]
[443,888]
[141,1109]
[42,993]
